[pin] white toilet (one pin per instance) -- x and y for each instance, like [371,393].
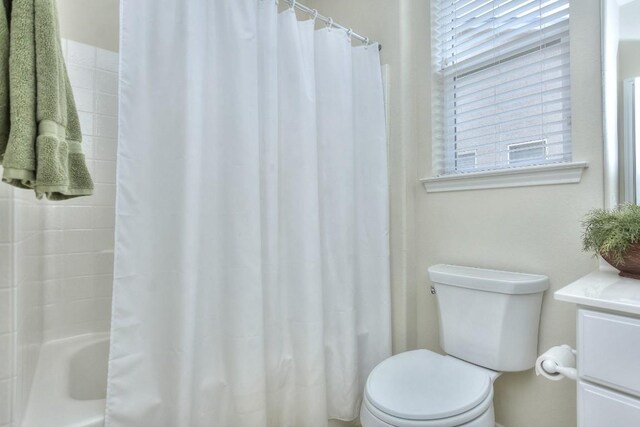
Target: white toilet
[488,325]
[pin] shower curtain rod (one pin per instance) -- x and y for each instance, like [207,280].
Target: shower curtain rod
[329,21]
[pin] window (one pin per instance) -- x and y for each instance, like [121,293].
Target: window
[503,97]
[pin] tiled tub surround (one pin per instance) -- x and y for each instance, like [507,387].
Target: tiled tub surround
[78,238]
[28,275]
[20,301]
[56,258]
[77,242]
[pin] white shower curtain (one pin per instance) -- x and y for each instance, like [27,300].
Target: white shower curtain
[252,256]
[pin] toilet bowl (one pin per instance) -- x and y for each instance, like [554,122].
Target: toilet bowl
[424,389]
[488,325]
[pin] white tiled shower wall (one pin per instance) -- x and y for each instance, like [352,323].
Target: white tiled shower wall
[28,275]
[79,232]
[20,299]
[56,258]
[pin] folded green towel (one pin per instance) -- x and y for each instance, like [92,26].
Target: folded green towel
[44,150]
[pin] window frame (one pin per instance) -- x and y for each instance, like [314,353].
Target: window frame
[562,172]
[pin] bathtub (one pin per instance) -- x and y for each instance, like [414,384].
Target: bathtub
[70,383]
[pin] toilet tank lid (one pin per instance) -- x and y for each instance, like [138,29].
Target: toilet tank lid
[504,282]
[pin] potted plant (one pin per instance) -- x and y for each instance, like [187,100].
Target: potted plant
[615,235]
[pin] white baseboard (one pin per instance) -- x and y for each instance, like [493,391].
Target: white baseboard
[499,425]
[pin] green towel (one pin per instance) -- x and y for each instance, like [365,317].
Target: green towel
[44,150]
[19,160]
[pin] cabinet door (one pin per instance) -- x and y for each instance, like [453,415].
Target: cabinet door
[609,350]
[599,407]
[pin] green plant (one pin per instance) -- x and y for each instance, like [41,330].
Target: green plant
[612,232]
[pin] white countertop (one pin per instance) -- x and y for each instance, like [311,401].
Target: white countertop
[604,289]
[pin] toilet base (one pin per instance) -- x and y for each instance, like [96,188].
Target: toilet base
[486,419]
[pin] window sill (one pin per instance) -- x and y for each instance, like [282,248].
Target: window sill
[559,173]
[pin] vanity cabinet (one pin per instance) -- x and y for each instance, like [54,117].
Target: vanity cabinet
[608,348]
[608,362]
[602,407]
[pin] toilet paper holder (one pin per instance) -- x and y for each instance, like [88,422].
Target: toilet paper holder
[557,363]
[552,367]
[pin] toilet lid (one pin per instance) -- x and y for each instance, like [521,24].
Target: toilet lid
[421,385]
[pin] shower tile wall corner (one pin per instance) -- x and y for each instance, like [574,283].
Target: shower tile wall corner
[56,258]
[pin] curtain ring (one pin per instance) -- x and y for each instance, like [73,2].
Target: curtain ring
[315,15]
[366,42]
[349,33]
[330,23]
[293,5]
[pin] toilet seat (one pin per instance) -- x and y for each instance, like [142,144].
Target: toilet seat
[480,416]
[422,389]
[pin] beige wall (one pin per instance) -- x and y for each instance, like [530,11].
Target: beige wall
[534,229]
[531,229]
[94,22]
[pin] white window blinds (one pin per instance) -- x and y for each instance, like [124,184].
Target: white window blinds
[504,84]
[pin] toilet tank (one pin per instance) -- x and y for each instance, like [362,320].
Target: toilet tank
[488,317]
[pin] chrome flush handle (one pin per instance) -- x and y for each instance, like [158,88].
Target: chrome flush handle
[433,290]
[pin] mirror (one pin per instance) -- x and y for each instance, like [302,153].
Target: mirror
[621,97]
